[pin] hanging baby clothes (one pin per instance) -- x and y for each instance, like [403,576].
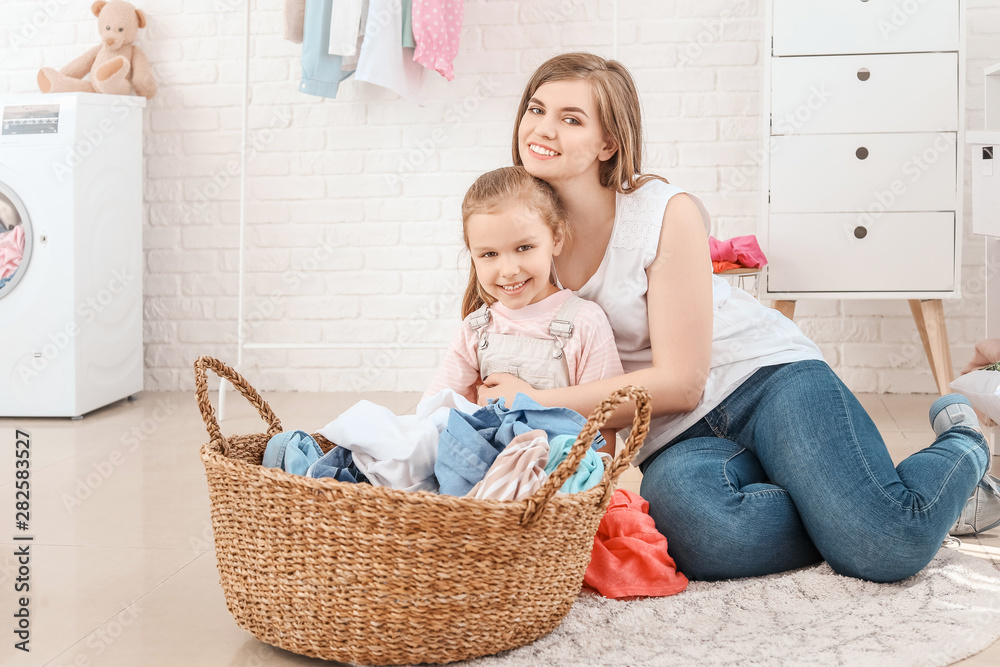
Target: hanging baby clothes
[437,28]
[345,24]
[350,63]
[407,7]
[630,556]
[11,251]
[295,11]
[383,60]
[588,474]
[321,72]
[518,471]
[396,451]
[471,442]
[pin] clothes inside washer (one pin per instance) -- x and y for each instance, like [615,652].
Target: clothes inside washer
[11,251]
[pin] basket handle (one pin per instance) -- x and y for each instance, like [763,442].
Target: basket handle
[640,427]
[205,405]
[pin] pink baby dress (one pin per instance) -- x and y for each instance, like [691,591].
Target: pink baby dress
[437,26]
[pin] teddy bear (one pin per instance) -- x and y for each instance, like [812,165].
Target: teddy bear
[116,66]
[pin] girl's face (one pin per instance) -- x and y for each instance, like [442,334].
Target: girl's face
[512,251]
[560,135]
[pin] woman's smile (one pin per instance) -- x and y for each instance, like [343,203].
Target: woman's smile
[541,151]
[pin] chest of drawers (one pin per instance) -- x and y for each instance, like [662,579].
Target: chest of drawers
[863,107]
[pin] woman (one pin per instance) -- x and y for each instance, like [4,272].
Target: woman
[759,459]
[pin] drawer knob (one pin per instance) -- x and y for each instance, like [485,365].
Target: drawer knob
[862,153]
[864,74]
[860,232]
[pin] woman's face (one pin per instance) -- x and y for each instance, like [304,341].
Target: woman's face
[560,136]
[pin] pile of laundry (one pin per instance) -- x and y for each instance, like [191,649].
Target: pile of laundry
[389,43]
[450,446]
[455,447]
[739,252]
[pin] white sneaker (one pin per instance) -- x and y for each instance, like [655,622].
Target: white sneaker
[982,510]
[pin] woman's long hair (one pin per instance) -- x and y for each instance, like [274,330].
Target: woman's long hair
[617,109]
[493,192]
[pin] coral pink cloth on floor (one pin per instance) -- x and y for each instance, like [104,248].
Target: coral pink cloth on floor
[630,556]
[737,252]
[11,251]
[518,471]
[437,27]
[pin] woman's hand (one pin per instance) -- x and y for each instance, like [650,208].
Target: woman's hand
[502,384]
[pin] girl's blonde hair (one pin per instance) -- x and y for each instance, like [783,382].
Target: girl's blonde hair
[493,192]
[617,109]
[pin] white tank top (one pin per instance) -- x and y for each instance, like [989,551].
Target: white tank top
[746,335]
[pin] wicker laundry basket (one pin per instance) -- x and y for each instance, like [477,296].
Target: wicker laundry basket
[372,575]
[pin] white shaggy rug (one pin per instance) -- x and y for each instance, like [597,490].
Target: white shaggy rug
[812,616]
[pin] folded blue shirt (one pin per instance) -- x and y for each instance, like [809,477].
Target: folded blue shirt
[470,443]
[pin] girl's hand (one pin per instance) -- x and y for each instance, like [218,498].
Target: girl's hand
[502,384]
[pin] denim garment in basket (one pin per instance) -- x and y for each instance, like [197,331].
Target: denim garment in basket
[337,463]
[470,443]
[292,451]
[588,473]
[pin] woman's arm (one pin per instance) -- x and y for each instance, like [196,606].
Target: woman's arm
[679,302]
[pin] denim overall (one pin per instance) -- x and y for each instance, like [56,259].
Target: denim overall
[538,361]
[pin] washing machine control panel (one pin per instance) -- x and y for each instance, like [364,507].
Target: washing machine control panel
[30,119]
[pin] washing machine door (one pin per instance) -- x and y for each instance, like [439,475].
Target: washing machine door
[15,240]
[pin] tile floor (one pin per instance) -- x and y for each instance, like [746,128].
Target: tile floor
[122,567]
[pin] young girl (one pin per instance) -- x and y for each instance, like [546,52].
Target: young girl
[516,320]
[758,459]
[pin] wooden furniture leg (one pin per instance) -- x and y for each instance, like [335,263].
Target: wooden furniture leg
[929,317]
[786,308]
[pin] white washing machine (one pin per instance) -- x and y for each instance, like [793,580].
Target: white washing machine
[71,303]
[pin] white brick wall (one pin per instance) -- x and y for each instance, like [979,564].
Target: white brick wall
[354,235]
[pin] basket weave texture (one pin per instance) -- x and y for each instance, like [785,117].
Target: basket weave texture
[372,575]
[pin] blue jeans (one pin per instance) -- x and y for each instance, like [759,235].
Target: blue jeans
[790,470]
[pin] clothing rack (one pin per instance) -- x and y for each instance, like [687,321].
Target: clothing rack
[241,343]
